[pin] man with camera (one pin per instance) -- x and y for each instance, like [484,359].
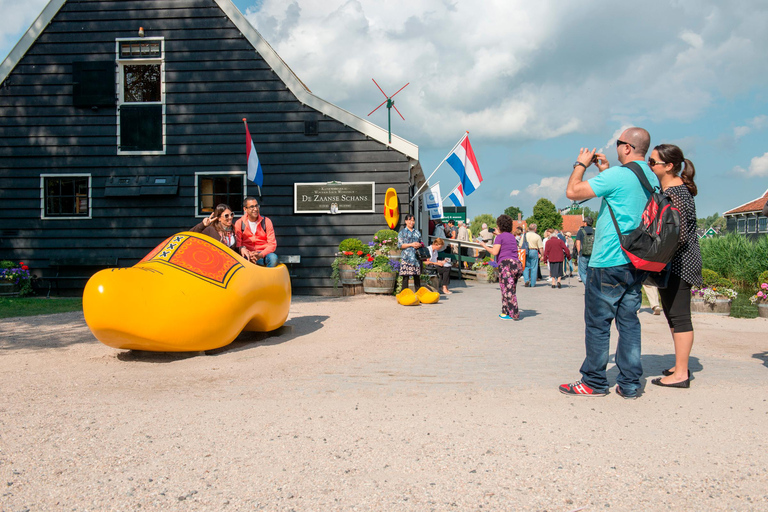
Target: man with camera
[613,284]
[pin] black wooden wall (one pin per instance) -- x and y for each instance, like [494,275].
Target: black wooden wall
[213,78]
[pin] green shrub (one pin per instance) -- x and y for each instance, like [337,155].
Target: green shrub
[736,257]
[353,245]
[710,277]
[763,278]
[724,283]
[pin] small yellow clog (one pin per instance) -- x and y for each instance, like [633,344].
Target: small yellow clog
[407,298]
[391,208]
[427,296]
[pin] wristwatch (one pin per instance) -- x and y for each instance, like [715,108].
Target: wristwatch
[575,164]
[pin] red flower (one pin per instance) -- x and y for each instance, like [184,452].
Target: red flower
[21,263]
[359,253]
[347,253]
[24,267]
[370,258]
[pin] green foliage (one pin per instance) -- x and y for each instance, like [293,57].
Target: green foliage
[710,277]
[12,307]
[477,223]
[715,221]
[546,216]
[736,257]
[385,240]
[353,245]
[763,278]
[7,264]
[513,212]
[586,211]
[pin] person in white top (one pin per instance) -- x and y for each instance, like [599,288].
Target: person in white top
[442,267]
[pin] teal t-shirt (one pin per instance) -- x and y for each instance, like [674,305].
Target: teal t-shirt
[621,188]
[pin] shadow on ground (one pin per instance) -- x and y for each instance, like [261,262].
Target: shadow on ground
[653,365]
[45,331]
[294,328]
[763,356]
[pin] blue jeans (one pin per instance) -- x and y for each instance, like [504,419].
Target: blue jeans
[531,266]
[270,260]
[613,293]
[583,264]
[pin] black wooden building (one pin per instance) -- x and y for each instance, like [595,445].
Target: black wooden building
[121,124]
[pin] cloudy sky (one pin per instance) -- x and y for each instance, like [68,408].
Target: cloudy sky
[533,82]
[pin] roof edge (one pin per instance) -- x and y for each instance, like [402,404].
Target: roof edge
[733,211]
[29,38]
[303,94]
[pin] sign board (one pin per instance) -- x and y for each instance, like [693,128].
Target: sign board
[334,197]
[433,202]
[454,212]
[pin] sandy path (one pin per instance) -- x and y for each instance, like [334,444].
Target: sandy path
[459,411]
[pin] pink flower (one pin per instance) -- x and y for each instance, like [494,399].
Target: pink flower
[760,294]
[764,286]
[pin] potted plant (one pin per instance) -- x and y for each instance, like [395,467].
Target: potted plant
[487,270]
[15,279]
[352,252]
[378,274]
[385,243]
[715,296]
[760,299]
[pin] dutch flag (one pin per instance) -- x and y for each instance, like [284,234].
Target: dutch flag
[255,174]
[457,196]
[463,161]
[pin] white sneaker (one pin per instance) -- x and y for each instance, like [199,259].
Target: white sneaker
[579,279]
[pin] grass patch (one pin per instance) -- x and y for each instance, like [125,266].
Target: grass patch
[741,307]
[32,306]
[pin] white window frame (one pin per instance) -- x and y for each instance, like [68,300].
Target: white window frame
[42,196]
[752,218]
[121,63]
[741,228]
[765,223]
[238,207]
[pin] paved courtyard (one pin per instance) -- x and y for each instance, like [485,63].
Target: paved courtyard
[360,404]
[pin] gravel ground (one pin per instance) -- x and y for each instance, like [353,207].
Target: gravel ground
[360,404]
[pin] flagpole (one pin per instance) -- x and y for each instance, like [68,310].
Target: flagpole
[466,134]
[449,193]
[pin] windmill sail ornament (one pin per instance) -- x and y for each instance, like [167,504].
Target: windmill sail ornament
[390,105]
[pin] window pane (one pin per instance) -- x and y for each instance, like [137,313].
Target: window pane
[141,128]
[741,225]
[214,190]
[751,225]
[142,82]
[66,196]
[762,224]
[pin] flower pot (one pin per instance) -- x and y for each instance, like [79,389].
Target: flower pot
[347,275]
[380,282]
[484,277]
[8,289]
[395,255]
[720,307]
[762,310]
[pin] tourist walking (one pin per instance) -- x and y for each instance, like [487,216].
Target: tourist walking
[555,253]
[505,250]
[408,240]
[585,239]
[533,245]
[613,286]
[570,244]
[676,175]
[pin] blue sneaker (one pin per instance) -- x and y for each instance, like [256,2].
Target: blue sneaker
[505,317]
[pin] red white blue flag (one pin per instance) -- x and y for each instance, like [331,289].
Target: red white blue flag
[457,196]
[255,174]
[463,161]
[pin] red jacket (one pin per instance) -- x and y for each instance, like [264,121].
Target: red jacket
[556,250]
[262,241]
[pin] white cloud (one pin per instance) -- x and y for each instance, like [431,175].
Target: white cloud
[759,166]
[514,193]
[553,188]
[756,123]
[693,39]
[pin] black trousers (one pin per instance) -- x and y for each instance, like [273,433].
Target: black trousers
[676,303]
[444,273]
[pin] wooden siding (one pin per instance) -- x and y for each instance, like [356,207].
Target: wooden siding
[213,78]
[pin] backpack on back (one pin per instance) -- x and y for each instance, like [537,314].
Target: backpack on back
[587,243]
[653,243]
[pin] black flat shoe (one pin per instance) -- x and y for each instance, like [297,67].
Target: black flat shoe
[667,373]
[558,285]
[684,384]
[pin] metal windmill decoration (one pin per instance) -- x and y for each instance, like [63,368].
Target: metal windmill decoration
[390,105]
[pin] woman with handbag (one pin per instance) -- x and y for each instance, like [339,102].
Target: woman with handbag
[505,250]
[675,173]
[408,240]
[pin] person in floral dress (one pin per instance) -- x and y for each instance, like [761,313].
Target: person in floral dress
[408,240]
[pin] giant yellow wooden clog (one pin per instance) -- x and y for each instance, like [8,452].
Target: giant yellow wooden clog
[407,298]
[391,208]
[190,293]
[427,296]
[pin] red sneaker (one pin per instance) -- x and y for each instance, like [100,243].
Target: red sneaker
[578,388]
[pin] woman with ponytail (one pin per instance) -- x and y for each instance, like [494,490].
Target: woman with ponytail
[676,173]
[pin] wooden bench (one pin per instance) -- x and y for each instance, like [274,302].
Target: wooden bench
[77,263]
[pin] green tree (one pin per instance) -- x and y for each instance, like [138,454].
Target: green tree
[546,216]
[477,223]
[588,212]
[513,211]
[714,220]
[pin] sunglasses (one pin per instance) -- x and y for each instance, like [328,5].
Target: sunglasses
[619,142]
[653,162]
[227,215]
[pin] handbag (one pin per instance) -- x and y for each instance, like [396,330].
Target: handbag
[422,253]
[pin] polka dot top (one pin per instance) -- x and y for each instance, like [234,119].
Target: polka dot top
[686,263]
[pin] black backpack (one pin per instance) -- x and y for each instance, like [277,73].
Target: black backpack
[654,242]
[588,242]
